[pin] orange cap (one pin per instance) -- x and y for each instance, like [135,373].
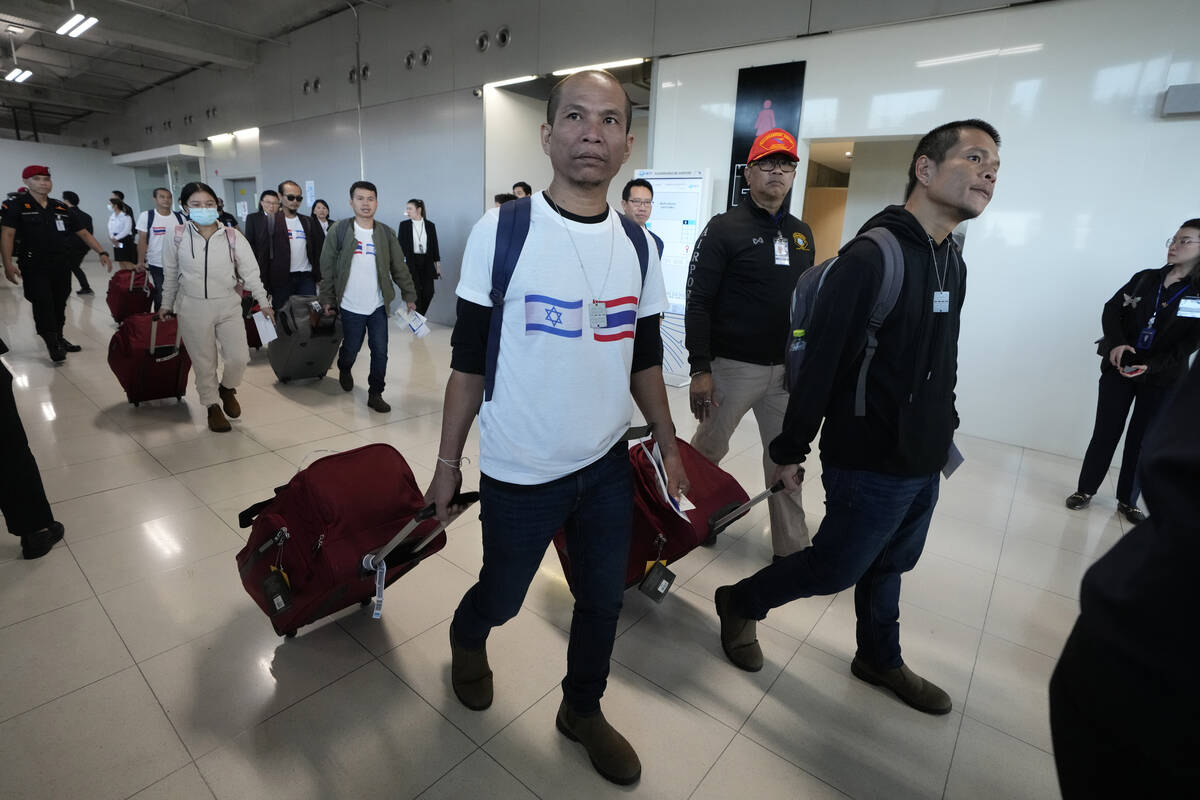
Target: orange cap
[776,141]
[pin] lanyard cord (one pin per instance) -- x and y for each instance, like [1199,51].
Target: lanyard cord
[941,277]
[611,249]
[1158,300]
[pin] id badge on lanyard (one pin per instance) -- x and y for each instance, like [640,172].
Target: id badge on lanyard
[781,252]
[58,223]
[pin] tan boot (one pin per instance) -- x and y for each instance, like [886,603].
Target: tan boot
[470,675]
[907,685]
[217,421]
[739,636]
[611,754]
[229,402]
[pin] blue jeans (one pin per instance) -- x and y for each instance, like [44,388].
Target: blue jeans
[157,274]
[300,283]
[874,530]
[594,507]
[375,327]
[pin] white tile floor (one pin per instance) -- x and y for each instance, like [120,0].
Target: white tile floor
[135,665]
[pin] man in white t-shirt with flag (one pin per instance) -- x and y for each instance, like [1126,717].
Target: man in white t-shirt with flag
[578,335]
[359,261]
[154,227]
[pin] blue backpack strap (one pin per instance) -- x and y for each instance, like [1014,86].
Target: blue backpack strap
[638,237]
[657,241]
[885,301]
[511,233]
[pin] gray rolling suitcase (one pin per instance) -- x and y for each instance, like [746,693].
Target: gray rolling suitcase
[303,350]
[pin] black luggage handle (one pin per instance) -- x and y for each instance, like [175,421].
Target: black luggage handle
[460,502]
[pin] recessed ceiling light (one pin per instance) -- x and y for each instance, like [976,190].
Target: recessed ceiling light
[15,30]
[849,153]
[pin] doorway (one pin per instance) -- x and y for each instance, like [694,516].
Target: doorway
[243,192]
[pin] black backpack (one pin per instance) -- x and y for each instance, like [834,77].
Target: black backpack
[804,300]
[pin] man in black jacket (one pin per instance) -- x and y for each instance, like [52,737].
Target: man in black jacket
[259,225]
[78,248]
[740,283]
[296,240]
[880,470]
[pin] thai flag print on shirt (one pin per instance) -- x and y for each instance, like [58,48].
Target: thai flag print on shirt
[295,233]
[358,247]
[156,231]
[622,319]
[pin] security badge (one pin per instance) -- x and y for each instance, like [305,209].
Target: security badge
[941,302]
[597,314]
[1189,308]
[781,252]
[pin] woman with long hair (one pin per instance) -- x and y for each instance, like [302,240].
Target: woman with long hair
[418,239]
[120,231]
[320,212]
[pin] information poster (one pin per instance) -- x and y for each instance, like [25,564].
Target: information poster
[767,97]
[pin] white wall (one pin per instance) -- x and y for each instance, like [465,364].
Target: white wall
[877,178]
[1093,180]
[234,158]
[87,172]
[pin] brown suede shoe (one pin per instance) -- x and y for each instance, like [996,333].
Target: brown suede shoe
[229,402]
[906,684]
[610,752]
[217,421]
[739,636]
[470,675]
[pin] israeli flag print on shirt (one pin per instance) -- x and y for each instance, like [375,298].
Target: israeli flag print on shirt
[295,233]
[622,319]
[545,314]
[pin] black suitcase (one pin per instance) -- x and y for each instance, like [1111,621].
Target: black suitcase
[302,349]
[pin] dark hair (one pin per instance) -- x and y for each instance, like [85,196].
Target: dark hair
[937,143]
[285,183]
[419,204]
[71,198]
[160,189]
[504,197]
[528,189]
[321,202]
[193,188]
[118,193]
[642,182]
[1191,223]
[370,187]
[556,95]
[265,194]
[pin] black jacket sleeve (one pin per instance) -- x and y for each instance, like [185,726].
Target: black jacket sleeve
[1112,316]
[432,248]
[836,338]
[404,234]
[468,341]
[704,281]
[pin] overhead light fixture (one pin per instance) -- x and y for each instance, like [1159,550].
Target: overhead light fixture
[849,153]
[15,30]
[1007,51]
[628,62]
[217,138]
[23,77]
[69,24]
[12,76]
[246,132]
[511,81]
[77,24]
[84,26]
[18,74]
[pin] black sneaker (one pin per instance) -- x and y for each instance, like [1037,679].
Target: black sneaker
[1131,513]
[36,545]
[58,353]
[1079,500]
[85,291]
[345,380]
[70,348]
[375,402]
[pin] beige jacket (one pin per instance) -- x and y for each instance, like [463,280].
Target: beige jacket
[209,269]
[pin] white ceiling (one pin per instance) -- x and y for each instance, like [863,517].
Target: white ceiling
[832,154]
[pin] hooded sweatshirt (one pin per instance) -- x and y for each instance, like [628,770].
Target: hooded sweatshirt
[910,419]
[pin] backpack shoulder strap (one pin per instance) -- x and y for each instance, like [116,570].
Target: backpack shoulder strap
[658,242]
[638,237]
[178,218]
[885,301]
[511,232]
[343,227]
[149,219]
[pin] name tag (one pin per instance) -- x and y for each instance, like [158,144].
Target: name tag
[58,223]
[1189,307]
[781,253]
[941,302]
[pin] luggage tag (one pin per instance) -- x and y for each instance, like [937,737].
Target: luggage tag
[278,590]
[781,252]
[597,314]
[941,302]
[1145,338]
[1189,308]
[658,579]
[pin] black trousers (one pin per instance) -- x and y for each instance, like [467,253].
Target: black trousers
[22,497]
[47,287]
[1117,394]
[420,266]
[75,262]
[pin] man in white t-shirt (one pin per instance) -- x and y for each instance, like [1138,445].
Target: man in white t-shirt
[580,334]
[295,256]
[154,227]
[359,261]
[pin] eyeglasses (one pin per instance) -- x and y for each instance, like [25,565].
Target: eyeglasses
[772,164]
[634,202]
[294,197]
[1182,242]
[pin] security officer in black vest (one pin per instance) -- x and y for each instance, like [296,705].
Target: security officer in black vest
[43,226]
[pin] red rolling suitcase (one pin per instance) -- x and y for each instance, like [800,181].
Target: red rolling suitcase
[148,357]
[129,292]
[328,539]
[659,533]
[249,307]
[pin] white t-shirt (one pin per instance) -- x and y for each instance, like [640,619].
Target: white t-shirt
[561,398]
[362,295]
[418,236]
[299,245]
[160,229]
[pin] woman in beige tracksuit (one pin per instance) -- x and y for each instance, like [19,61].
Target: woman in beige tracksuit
[201,272]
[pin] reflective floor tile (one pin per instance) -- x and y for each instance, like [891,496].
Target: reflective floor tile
[948,587]
[675,742]
[850,734]
[747,769]
[77,480]
[216,483]
[478,776]
[205,451]
[983,508]
[121,557]
[964,541]
[1010,691]
[186,784]
[1046,567]
[367,735]
[104,512]
[1031,617]
[62,452]
[988,763]
[106,740]
[528,657]
[289,433]
[227,681]
[304,454]
[677,645]
[54,653]
[1085,533]
[29,588]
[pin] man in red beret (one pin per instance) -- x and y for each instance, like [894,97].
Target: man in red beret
[37,229]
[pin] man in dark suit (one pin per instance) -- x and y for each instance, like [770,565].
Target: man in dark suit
[418,239]
[258,228]
[78,248]
[295,249]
